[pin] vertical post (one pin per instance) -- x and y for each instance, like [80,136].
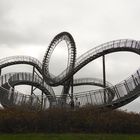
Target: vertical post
[72,101]
[12,95]
[138,74]
[72,89]
[127,87]
[134,80]
[44,105]
[42,100]
[95,99]
[32,87]
[91,99]
[104,78]
[0,71]
[87,99]
[32,80]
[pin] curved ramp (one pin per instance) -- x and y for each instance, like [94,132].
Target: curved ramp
[10,80]
[117,95]
[125,92]
[14,60]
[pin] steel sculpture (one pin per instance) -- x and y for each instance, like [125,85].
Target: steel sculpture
[112,96]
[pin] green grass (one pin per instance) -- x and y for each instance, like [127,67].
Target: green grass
[68,137]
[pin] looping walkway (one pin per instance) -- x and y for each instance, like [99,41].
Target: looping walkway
[111,96]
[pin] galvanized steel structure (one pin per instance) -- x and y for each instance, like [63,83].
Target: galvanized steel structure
[112,96]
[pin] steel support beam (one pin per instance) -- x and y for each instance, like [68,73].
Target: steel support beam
[135,82]
[72,88]
[72,100]
[42,100]
[32,87]
[12,95]
[104,77]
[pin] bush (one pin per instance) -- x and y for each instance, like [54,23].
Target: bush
[87,119]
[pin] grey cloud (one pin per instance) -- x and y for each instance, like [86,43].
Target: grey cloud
[16,29]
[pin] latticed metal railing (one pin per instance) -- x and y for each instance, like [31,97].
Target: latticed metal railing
[125,92]
[10,98]
[21,60]
[111,96]
[127,89]
[113,46]
[12,79]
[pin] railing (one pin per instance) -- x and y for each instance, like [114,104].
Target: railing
[93,53]
[13,78]
[124,90]
[28,77]
[21,59]
[10,98]
[117,95]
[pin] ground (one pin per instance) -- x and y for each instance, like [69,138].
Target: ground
[69,137]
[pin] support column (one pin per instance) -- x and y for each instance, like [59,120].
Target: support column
[32,87]
[91,98]
[72,88]
[0,71]
[104,78]
[12,95]
[72,101]
[42,100]
[134,80]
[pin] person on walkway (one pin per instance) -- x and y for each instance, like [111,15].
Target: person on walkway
[72,104]
[77,103]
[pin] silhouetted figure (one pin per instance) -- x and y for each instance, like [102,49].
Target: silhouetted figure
[77,103]
[72,104]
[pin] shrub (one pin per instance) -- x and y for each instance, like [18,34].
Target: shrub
[86,119]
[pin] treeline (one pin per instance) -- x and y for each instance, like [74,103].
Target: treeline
[86,119]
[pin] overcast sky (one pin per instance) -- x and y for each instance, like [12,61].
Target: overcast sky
[28,26]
